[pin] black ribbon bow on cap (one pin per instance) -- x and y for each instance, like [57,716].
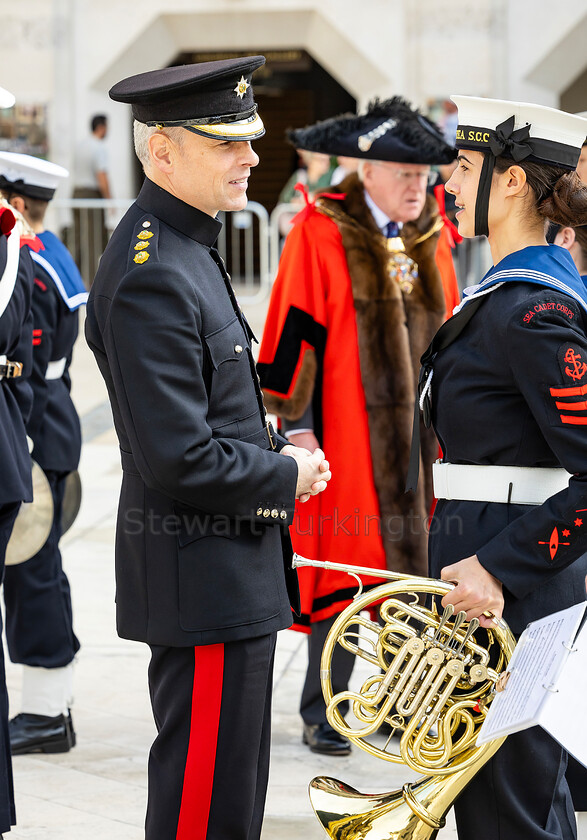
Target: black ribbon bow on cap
[517,143]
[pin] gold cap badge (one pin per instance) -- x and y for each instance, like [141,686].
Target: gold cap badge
[241,87]
[141,257]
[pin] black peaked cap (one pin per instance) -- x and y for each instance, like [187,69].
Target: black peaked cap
[191,92]
[389,130]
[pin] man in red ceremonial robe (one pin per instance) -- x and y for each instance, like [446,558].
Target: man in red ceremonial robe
[365,279]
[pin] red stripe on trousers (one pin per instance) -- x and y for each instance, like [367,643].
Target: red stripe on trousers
[199,768]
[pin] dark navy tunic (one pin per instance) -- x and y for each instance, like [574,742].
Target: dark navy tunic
[202,549]
[512,390]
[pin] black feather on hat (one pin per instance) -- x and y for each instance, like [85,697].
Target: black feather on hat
[389,130]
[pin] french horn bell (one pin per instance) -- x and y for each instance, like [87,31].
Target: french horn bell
[433,677]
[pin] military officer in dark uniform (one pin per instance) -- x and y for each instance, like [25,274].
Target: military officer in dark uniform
[39,626]
[16,280]
[507,377]
[203,557]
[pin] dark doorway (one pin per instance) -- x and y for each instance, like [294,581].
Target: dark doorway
[292,90]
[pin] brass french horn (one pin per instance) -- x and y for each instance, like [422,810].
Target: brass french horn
[431,685]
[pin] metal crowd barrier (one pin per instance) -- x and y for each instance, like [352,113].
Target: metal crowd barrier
[250,242]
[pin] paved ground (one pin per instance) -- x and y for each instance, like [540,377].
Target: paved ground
[98,790]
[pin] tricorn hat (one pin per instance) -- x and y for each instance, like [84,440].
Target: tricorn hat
[30,176]
[389,130]
[212,98]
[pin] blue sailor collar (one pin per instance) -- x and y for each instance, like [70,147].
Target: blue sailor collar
[543,265]
[56,260]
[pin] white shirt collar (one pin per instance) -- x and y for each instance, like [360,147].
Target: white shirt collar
[381,219]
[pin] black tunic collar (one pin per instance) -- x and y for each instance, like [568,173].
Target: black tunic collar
[173,211]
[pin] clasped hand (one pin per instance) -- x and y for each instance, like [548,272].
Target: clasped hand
[476,591]
[313,471]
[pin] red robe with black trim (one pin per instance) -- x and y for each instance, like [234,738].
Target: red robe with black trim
[316,347]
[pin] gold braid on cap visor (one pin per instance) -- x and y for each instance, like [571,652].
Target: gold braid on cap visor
[248,129]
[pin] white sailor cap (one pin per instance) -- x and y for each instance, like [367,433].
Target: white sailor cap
[30,176]
[520,130]
[7,100]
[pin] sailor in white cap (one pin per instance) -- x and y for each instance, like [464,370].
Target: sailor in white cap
[37,594]
[508,392]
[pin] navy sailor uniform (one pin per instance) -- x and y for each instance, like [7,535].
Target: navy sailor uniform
[15,465]
[39,624]
[511,390]
[203,557]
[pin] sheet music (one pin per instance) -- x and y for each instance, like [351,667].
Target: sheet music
[535,669]
[564,712]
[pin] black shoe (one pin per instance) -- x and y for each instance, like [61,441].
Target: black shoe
[322,738]
[70,729]
[39,733]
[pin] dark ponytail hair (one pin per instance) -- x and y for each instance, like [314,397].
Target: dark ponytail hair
[560,195]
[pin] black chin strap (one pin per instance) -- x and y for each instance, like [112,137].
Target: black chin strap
[483,192]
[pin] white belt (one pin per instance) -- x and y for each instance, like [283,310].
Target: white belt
[3,360]
[55,370]
[480,483]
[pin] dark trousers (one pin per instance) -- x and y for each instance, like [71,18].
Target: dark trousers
[8,514]
[39,624]
[312,705]
[520,794]
[209,764]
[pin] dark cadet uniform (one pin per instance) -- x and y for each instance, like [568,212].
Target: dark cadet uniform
[15,403]
[203,557]
[38,601]
[510,390]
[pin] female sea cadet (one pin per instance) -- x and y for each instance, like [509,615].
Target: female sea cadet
[504,383]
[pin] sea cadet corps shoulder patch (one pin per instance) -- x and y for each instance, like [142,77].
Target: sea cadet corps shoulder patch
[549,306]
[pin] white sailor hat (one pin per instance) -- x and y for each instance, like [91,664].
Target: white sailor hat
[30,176]
[7,100]
[520,130]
